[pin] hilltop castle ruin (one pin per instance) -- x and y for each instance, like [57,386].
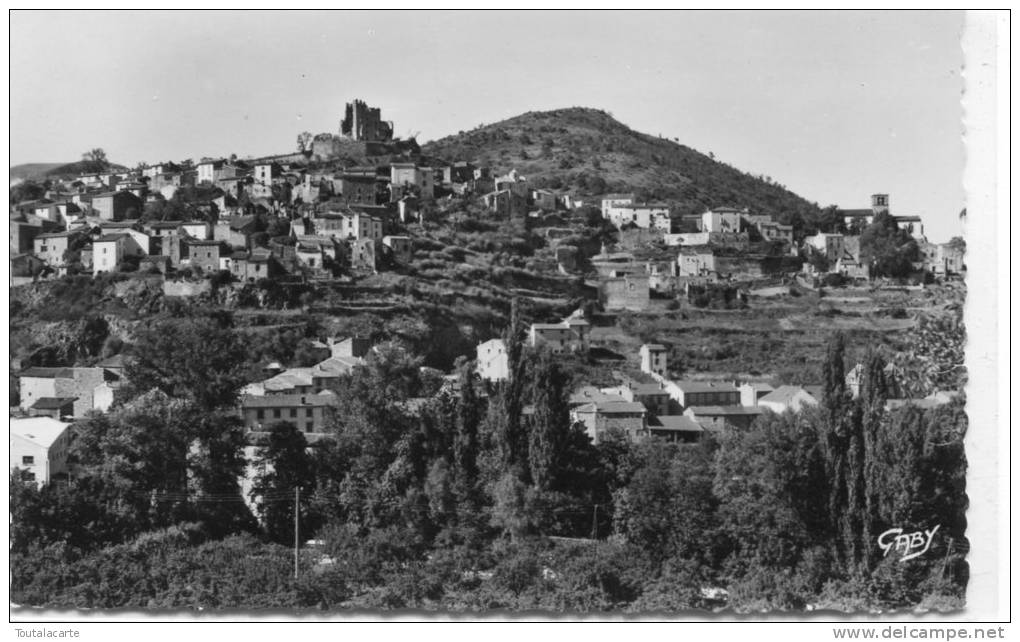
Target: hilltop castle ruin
[364,123]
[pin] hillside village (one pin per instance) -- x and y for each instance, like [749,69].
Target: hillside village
[311,217]
[360,244]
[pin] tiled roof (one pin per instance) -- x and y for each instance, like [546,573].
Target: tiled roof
[42,431]
[725,410]
[783,394]
[288,401]
[647,389]
[591,394]
[654,346]
[612,408]
[48,373]
[111,238]
[679,423]
[704,386]
[289,379]
[116,361]
[52,403]
[815,391]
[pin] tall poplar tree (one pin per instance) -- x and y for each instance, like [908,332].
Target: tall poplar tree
[550,425]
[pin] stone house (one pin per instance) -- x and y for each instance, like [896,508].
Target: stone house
[362,254]
[59,213]
[60,383]
[829,245]
[132,229]
[653,359]
[696,261]
[617,419]
[26,265]
[703,393]
[751,392]
[202,254]
[159,229]
[718,418]
[363,186]
[114,206]
[52,246]
[675,428]
[569,335]
[315,252]
[611,202]
[264,176]
[23,235]
[723,219]
[646,216]
[257,264]
[652,396]
[545,200]
[53,407]
[420,179]
[398,248]
[310,413]
[771,231]
[235,232]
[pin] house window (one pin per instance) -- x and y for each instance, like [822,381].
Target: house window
[260,414]
[27,476]
[276,413]
[28,460]
[293,412]
[308,412]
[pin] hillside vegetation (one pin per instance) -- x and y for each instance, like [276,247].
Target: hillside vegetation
[589,152]
[40,171]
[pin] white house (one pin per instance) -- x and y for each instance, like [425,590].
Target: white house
[653,359]
[109,249]
[723,219]
[492,362]
[648,216]
[611,204]
[38,448]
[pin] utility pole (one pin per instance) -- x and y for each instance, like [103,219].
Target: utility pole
[297,501]
[945,560]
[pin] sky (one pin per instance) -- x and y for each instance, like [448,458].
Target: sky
[834,105]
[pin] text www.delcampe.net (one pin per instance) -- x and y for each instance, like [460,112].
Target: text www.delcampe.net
[904,632]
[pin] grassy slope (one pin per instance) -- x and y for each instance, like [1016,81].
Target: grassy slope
[575,147]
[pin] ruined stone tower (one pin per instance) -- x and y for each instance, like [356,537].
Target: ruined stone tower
[364,123]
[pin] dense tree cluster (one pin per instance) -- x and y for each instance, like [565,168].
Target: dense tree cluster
[890,251]
[456,494]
